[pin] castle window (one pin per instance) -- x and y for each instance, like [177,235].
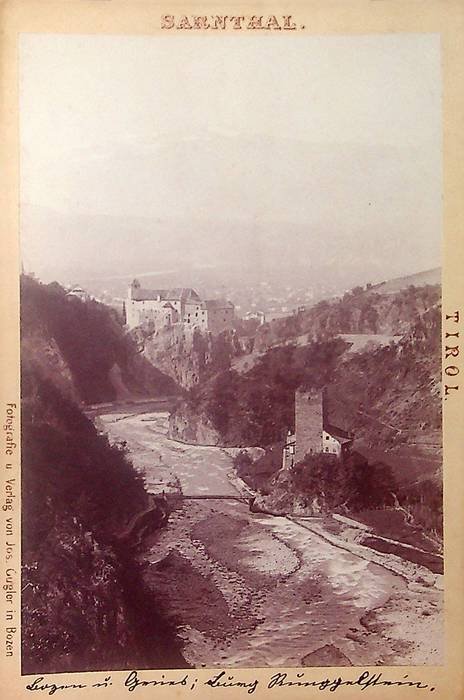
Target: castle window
[327,437]
[326,449]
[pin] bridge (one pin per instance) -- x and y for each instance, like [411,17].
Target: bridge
[208,497]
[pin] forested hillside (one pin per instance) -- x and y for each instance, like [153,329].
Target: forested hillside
[397,384]
[84,601]
[389,396]
[392,395]
[362,310]
[255,408]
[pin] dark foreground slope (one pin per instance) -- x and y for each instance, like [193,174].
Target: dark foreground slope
[84,604]
[85,512]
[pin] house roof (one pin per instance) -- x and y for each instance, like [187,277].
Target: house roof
[341,435]
[75,291]
[254,314]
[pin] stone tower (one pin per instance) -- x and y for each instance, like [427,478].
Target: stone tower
[309,422]
[133,288]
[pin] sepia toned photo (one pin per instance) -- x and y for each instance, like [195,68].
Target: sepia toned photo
[231,392]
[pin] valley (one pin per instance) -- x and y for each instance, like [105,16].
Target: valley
[156,456]
[249,589]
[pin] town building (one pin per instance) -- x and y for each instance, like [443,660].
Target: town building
[77,292]
[256,315]
[166,307]
[314,434]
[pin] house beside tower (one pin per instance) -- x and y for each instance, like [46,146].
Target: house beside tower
[314,434]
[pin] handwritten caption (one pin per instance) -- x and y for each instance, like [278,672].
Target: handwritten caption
[9,507]
[223,679]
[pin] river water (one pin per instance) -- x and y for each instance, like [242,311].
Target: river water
[249,589]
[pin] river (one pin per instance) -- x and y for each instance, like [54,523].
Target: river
[248,589]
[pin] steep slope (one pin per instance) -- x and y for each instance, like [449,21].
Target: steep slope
[420,279]
[391,396]
[84,602]
[82,347]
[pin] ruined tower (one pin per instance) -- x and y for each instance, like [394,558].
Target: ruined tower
[309,423]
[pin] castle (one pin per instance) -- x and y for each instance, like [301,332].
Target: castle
[313,432]
[165,307]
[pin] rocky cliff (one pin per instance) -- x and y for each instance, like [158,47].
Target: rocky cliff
[193,427]
[189,356]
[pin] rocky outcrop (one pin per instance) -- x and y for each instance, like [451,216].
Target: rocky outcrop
[186,425]
[284,498]
[77,574]
[188,355]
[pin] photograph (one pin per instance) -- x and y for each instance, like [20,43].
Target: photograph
[231,350]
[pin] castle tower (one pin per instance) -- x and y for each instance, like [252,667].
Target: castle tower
[132,314]
[133,287]
[309,422]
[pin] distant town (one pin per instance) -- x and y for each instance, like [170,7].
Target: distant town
[260,300]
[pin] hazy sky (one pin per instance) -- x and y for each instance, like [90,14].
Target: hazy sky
[147,152]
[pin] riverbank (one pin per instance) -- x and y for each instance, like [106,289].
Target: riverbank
[272,598]
[248,589]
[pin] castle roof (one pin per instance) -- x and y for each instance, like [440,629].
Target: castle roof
[210,304]
[176,294]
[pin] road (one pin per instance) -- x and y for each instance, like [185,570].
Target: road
[250,589]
